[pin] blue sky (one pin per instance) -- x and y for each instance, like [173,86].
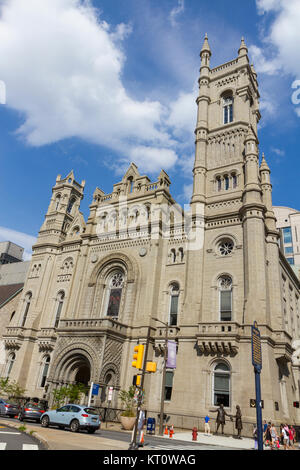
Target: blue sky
[91,86]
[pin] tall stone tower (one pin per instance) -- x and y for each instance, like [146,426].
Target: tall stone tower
[233,275]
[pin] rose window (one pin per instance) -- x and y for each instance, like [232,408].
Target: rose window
[226,247]
[117,280]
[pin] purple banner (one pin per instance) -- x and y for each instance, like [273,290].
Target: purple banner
[171,361]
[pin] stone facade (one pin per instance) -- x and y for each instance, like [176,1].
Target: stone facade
[94,287]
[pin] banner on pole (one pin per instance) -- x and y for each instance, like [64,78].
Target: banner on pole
[172,350]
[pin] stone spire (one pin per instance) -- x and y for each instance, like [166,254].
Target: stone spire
[205,47]
[243,50]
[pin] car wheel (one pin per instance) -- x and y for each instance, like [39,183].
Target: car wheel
[45,421]
[74,425]
[91,431]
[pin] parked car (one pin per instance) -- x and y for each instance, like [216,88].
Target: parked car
[75,417]
[31,411]
[8,408]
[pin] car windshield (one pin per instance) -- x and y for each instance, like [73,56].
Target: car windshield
[91,411]
[34,406]
[10,402]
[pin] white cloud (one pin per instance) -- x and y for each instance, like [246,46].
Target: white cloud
[283,37]
[19,238]
[176,11]
[63,66]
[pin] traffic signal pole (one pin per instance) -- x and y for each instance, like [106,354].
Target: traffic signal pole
[133,445]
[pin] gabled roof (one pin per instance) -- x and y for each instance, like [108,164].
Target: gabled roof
[9,292]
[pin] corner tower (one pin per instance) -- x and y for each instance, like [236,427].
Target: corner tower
[63,208]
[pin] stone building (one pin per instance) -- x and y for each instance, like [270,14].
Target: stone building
[94,287]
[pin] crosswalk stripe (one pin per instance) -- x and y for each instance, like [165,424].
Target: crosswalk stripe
[3,445]
[30,447]
[7,432]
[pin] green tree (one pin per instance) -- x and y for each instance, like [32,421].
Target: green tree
[128,401]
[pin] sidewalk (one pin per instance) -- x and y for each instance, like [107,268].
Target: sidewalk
[213,440]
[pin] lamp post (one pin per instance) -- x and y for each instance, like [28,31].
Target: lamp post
[162,399]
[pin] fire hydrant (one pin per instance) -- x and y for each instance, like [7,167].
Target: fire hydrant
[171,432]
[194,434]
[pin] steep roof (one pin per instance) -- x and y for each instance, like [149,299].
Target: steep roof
[8,292]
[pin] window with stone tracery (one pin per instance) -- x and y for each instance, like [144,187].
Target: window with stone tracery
[225,247]
[115,287]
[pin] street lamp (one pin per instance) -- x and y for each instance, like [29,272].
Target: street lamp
[162,399]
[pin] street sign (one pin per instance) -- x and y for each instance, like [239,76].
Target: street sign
[256,347]
[95,389]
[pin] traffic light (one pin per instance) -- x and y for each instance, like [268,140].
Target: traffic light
[138,356]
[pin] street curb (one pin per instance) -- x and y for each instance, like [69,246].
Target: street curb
[34,435]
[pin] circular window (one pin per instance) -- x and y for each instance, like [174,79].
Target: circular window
[225,247]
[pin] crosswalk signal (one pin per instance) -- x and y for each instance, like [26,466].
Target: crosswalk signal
[136,381]
[296,404]
[138,356]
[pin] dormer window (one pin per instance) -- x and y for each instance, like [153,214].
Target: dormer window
[227,109]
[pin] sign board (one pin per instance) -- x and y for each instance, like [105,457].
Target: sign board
[110,393]
[95,389]
[256,347]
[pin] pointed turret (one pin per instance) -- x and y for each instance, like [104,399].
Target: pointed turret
[243,50]
[205,47]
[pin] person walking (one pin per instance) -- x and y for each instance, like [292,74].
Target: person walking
[206,425]
[285,435]
[291,438]
[274,436]
[268,438]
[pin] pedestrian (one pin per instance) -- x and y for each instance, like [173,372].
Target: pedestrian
[291,437]
[268,439]
[255,437]
[265,426]
[285,435]
[206,425]
[281,434]
[274,436]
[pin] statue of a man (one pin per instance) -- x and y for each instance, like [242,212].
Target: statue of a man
[238,421]
[220,417]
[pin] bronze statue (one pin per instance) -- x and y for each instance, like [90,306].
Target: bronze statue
[220,417]
[238,421]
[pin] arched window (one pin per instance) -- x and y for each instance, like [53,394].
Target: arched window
[71,204]
[226,182]
[225,292]
[60,302]
[9,364]
[28,297]
[219,183]
[221,385]
[44,371]
[234,180]
[57,202]
[174,297]
[227,109]
[115,286]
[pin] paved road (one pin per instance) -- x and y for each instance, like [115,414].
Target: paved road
[12,439]
[151,442]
